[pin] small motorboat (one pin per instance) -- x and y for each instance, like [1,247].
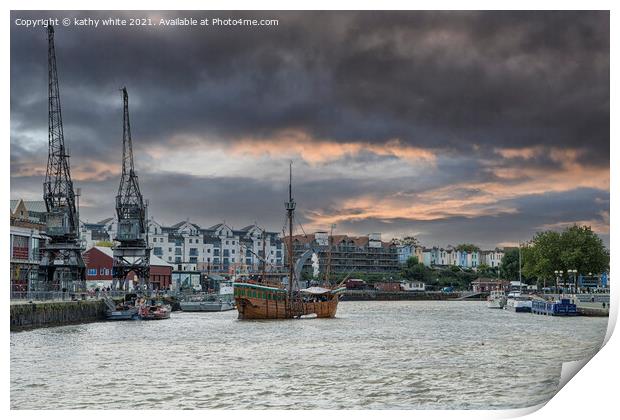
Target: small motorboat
[122,311]
[149,311]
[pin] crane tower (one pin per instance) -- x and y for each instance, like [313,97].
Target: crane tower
[132,253]
[61,266]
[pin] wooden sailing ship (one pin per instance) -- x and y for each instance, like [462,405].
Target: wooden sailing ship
[257,299]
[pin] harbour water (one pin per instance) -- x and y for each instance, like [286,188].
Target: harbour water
[374,355]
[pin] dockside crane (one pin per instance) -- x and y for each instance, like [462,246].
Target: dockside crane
[132,253]
[61,266]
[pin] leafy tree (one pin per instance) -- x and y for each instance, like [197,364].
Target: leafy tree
[510,264]
[467,248]
[577,248]
[410,240]
[485,271]
[583,250]
[414,270]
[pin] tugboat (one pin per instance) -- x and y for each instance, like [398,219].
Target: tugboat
[261,300]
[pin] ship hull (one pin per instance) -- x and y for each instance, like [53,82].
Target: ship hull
[255,308]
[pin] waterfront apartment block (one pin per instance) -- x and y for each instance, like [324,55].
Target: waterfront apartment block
[218,248]
[191,248]
[344,254]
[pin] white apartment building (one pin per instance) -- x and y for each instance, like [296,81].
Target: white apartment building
[219,248]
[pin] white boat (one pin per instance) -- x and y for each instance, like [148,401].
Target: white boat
[207,303]
[496,300]
[518,303]
[207,306]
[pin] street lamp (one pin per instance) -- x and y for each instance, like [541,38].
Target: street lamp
[558,274]
[573,272]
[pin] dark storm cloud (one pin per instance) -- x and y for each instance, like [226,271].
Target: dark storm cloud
[463,84]
[429,78]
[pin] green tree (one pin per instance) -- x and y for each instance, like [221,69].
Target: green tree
[583,250]
[577,248]
[485,271]
[467,248]
[510,264]
[414,270]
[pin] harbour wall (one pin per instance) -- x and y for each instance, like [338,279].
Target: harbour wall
[48,314]
[381,295]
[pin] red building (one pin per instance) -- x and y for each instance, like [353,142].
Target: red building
[390,286]
[99,260]
[483,284]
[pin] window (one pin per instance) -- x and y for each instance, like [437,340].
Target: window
[193,260]
[233,242]
[232,251]
[92,271]
[177,259]
[226,252]
[227,242]
[158,251]
[193,252]
[208,250]
[177,251]
[102,271]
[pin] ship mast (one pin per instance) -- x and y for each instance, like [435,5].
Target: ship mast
[329,256]
[290,211]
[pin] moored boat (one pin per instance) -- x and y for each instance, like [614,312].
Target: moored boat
[518,303]
[148,311]
[122,311]
[496,299]
[209,303]
[562,307]
[260,301]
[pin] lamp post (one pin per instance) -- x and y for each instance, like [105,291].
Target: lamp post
[573,273]
[558,274]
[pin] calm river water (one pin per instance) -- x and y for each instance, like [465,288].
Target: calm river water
[374,355]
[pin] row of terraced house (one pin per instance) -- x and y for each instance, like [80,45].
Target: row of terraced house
[450,256]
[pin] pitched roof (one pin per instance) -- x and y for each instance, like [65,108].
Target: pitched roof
[155,260]
[37,206]
[14,204]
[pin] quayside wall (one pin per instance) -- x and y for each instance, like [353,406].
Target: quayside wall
[381,295]
[49,314]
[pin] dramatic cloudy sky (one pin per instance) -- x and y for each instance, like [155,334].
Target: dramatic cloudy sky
[477,127]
